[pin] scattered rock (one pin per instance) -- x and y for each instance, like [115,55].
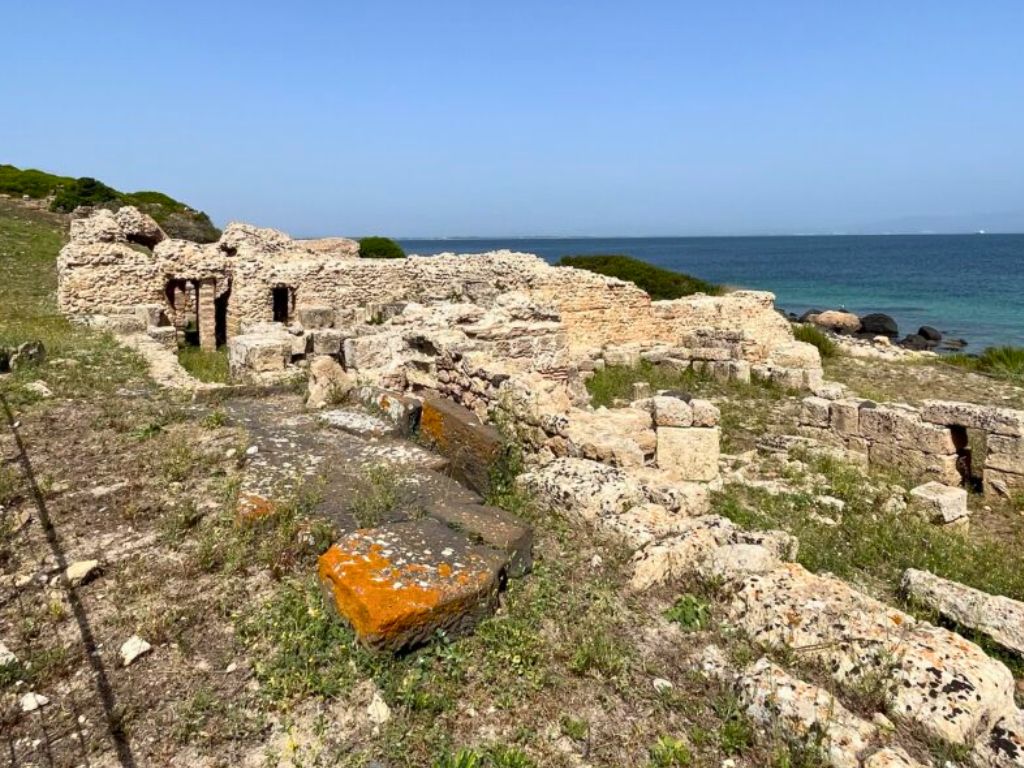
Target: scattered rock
[39,387]
[31,702]
[661,684]
[133,648]
[6,656]
[879,324]
[378,710]
[938,503]
[837,321]
[329,384]
[929,334]
[82,571]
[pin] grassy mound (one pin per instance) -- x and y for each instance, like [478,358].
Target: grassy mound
[658,282]
[380,248]
[1003,362]
[66,194]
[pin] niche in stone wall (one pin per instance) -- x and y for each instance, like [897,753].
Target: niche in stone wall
[282,298]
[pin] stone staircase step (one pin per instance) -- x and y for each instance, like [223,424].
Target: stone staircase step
[492,527]
[400,584]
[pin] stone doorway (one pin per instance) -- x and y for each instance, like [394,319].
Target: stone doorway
[282,300]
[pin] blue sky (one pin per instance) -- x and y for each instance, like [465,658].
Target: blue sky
[486,118]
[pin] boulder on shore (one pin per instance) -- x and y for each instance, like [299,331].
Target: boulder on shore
[837,321]
[879,324]
[930,334]
[915,342]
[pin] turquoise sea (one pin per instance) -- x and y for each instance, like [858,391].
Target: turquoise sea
[967,286]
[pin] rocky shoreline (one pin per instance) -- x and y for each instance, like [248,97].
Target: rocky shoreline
[878,328]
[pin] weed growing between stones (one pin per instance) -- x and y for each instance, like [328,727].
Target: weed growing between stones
[690,612]
[813,335]
[377,497]
[205,365]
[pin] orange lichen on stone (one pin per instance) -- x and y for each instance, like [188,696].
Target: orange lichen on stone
[397,585]
[432,424]
[252,507]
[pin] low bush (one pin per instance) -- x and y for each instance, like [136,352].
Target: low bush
[380,248]
[812,335]
[658,282]
[1005,362]
[84,191]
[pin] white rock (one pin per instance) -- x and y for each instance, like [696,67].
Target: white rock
[938,503]
[661,684]
[6,656]
[39,388]
[81,571]
[378,710]
[134,647]
[32,701]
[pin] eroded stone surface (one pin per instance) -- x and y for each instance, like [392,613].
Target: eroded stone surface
[938,503]
[399,585]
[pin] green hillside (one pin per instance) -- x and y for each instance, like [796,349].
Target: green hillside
[65,194]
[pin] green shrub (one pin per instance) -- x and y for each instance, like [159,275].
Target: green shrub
[812,335]
[1005,362]
[658,282]
[83,191]
[668,752]
[380,248]
[35,184]
[690,612]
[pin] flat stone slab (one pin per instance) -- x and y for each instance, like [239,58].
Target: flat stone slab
[403,411]
[938,503]
[357,423]
[400,584]
[491,527]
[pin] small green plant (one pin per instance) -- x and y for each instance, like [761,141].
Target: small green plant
[380,248]
[377,496]
[501,756]
[690,612]
[599,652]
[215,419]
[669,752]
[577,730]
[464,758]
[658,282]
[814,335]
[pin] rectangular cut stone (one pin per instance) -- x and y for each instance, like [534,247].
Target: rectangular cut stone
[814,412]
[689,453]
[249,354]
[457,433]
[888,424]
[938,503]
[400,584]
[491,527]
[1001,618]
[314,318]
[327,341]
[1005,484]
[1000,421]
[402,410]
[1005,454]
[844,416]
[916,464]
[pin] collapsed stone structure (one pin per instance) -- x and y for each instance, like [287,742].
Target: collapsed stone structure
[504,339]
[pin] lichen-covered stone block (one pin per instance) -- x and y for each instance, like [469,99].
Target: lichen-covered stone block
[398,585]
[491,527]
[471,446]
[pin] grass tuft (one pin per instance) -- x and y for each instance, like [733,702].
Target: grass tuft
[1002,362]
[206,366]
[817,337]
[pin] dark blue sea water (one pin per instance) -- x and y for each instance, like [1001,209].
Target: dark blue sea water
[968,286]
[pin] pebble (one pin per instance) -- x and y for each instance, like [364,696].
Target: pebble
[79,572]
[661,684]
[32,701]
[6,656]
[133,648]
[252,450]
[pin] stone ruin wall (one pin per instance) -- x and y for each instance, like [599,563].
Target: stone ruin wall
[930,442]
[114,264]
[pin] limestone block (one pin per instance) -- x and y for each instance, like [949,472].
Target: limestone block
[1003,744]
[892,757]
[915,464]
[671,411]
[794,354]
[302,344]
[904,426]
[739,371]
[705,413]
[1000,421]
[942,683]
[400,584]
[1005,454]
[254,354]
[844,416]
[404,411]
[327,341]
[166,335]
[151,314]
[627,355]
[1005,484]
[731,561]
[772,697]
[814,412]
[329,384]
[582,489]
[1001,618]
[689,453]
[315,317]
[938,503]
